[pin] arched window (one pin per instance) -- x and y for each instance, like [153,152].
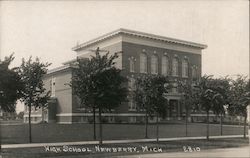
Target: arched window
[165,65]
[143,63]
[154,64]
[175,67]
[185,68]
[132,65]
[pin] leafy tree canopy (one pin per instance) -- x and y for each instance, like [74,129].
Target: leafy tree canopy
[10,85]
[32,73]
[149,93]
[97,82]
[213,94]
[240,96]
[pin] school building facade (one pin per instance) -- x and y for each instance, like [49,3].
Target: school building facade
[139,53]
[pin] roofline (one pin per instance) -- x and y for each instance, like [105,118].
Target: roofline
[57,69]
[139,34]
[69,61]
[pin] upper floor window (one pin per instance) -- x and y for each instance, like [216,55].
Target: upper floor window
[143,63]
[185,68]
[132,64]
[175,67]
[154,64]
[165,65]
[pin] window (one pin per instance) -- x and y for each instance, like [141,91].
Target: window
[53,87]
[132,65]
[111,119]
[175,67]
[154,64]
[174,89]
[132,119]
[165,65]
[185,68]
[83,119]
[132,83]
[131,105]
[143,63]
[194,72]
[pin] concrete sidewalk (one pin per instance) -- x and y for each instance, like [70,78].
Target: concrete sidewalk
[6,146]
[239,152]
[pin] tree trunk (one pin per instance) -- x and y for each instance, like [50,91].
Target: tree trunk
[0,142]
[207,125]
[42,114]
[146,125]
[245,123]
[94,123]
[221,123]
[100,126]
[30,140]
[186,121]
[157,127]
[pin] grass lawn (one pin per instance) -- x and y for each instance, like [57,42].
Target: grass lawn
[42,133]
[169,146]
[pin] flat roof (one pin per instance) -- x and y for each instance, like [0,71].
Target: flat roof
[139,34]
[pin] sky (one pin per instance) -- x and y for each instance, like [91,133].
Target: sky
[49,29]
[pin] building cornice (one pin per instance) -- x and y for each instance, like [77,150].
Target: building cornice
[140,35]
[61,68]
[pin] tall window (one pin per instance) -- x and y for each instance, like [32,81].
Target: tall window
[194,72]
[175,67]
[143,63]
[174,88]
[185,68]
[165,65]
[132,83]
[132,65]
[154,64]
[53,87]
[131,105]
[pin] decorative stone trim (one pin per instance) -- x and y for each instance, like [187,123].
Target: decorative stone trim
[140,35]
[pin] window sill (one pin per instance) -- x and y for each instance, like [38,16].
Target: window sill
[154,73]
[175,75]
[131,109]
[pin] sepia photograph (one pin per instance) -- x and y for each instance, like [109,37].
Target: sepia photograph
[124,79]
